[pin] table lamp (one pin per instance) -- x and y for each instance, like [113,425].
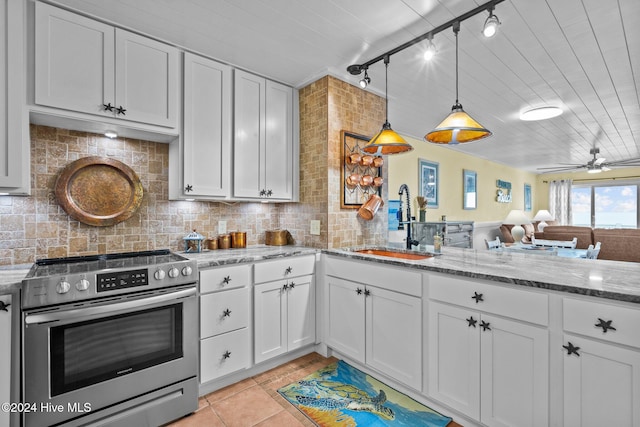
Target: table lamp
[542,216]
[517,217]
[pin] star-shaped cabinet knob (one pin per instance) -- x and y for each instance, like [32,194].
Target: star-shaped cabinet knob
[188,188]
[226,355]
[226,312]
[121,110]
[571,349]
[605,325]
[485,325]
[478,297]
[358,291]
[471,321]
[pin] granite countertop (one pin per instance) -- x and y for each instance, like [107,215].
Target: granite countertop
[11,277]
[600,278]
[215,258]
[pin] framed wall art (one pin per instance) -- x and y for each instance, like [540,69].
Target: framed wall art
[527,197]
[469,189]
[428,181]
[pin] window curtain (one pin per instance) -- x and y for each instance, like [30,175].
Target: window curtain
[560,201]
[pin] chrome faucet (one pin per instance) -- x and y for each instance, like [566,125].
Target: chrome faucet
[410,242]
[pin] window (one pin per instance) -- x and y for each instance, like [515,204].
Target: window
[605,205]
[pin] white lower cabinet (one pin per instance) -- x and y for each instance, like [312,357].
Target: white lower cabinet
[601,365]
[225,340]
[284,316]
[491,368]
[373,325]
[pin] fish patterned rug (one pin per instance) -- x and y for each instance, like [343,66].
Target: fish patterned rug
[341,395]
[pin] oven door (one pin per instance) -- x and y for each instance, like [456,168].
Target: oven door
[96,355]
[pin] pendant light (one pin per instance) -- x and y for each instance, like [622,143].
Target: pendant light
[387,141]
[458,126]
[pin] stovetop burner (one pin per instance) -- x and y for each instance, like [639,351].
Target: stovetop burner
[57,281]
[81,264]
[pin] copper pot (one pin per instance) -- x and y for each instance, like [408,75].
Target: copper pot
[239,239]
[366,180]
[353,179]
[371,206]
[354,158]
[366,160]
[378,162]
[377,181]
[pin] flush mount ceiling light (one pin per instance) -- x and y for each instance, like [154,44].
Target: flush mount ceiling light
[387,141]
[431,50]
[364,82]
[111,134]
[458,126]
[540,113]
[491,24]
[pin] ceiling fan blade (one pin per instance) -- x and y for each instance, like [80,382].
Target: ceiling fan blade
[555,169]
[599,161]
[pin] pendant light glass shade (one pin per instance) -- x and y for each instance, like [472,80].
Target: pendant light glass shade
[387,141]
[457,127]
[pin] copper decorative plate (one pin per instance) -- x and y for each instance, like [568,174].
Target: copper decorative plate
[99,191]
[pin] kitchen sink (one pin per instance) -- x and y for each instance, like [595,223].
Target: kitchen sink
[394,254]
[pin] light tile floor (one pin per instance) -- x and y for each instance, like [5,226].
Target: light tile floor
[255,401]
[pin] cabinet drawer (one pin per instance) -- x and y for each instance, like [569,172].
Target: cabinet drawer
[515,303]
[284,268]
[213,363]
[383,276]
[593,318]
[222,312]
[217,279]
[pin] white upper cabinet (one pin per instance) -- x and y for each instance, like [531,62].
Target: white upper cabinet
[206,129]
[14,128]
[264,144]
[90,67]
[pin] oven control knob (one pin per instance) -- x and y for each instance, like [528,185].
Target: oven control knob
[186,271]
[63,287]
[159,274]
[82,285]
[174,272]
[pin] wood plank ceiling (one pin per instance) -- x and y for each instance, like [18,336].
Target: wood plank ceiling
[581,55]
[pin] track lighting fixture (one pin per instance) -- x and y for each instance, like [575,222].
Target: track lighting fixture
[458,126]
[364,82]
[431,50]
[387,141]
[491,24]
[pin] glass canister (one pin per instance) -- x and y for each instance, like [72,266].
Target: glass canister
[437,244]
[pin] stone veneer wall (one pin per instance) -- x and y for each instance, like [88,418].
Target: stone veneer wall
[37,227]
[328,106]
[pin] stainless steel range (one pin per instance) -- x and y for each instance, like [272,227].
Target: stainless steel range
[110,340]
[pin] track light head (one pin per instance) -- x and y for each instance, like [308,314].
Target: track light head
[364,82]
[491,24]
[431,50]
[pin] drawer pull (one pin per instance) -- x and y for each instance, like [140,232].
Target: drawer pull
[226,355]
[226,280]
[472,321]
[367,292]
[226,313]
[121,110]
[288,270]
[108,107]
[291,285]
[571,349]
[3,306]
[358,291]
[478,297]
[485,325]
[605,325]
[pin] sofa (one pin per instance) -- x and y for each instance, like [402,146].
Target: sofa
[618,244]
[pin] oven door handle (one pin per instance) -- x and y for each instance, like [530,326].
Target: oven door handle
[108,308]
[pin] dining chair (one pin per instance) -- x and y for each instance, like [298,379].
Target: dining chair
[570,244]
[493,244]
[593,251]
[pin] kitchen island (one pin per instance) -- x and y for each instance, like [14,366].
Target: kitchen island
[492,338]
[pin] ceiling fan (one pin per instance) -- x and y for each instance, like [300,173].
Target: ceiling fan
[595,165]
